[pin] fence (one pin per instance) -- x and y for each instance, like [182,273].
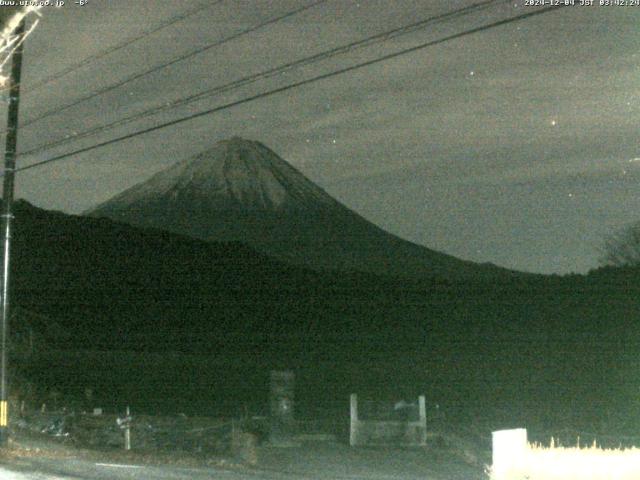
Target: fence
[189,434]
[406,424]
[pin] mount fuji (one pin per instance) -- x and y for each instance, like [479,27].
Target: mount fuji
[240,190]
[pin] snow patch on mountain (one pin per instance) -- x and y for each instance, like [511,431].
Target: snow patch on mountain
[240,190]
[242,171]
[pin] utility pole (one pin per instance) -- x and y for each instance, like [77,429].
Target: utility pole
[7,200]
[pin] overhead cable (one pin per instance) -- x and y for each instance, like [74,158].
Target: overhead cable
[92,58]
[161,66]
[293,85]
[343,49]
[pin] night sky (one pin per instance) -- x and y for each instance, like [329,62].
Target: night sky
[516,145]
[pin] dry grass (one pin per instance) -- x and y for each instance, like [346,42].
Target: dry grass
[24,444]
[576,463]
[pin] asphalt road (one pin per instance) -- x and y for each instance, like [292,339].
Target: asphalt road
[33,469]
[300,465]
[41,458]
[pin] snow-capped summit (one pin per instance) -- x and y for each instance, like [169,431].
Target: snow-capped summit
[234,173]
[241,190]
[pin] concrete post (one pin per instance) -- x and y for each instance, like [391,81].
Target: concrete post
[422,411]
[353,431]
[282,406]
[509,453]
[127,431]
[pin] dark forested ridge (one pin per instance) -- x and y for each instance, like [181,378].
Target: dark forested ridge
[529,343]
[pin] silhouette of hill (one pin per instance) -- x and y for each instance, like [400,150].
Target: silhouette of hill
[525,350]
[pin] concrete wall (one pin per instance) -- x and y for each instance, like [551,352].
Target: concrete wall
[385,432]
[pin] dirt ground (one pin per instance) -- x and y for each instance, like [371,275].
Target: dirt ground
[338,461]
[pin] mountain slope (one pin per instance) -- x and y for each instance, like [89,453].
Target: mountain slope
[240,190]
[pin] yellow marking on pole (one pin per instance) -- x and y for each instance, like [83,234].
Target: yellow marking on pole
[3,413]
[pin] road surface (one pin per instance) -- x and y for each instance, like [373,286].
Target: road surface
[316,462]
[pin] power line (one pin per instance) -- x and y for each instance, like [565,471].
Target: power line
[178,59]
[377,38]
[293,85]
[92,58]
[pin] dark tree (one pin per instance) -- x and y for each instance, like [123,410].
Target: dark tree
[623,248]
